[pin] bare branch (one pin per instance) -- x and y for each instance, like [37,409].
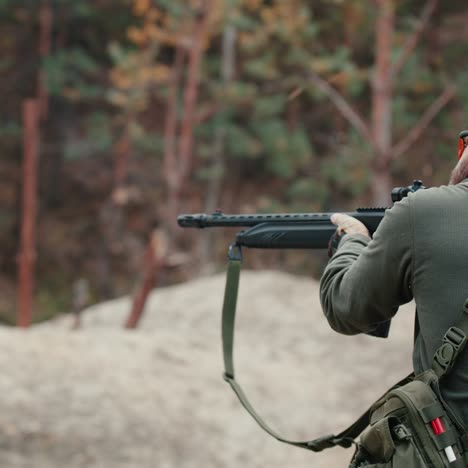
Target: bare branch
[381,82]
[415,133]
[413,40]
[170,127]
[155,255]
[342,105]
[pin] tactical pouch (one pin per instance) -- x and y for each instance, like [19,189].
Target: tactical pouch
[393,447]
[411,426]
[401,434]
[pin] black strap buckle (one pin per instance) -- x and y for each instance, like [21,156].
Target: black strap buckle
[452,345]
[402,432]
[455,337]
[329,441]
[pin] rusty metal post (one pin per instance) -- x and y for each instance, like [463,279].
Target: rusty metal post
[27,253]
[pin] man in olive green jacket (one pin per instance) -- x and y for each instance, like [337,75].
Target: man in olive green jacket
[420,251]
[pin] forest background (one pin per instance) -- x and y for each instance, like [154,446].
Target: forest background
[150,108]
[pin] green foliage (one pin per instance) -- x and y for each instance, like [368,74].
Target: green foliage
[53,297]
[349,168]
[310,191]
[10,130]
[111,64]
[244,22]
[287,151]
[97,137]
[240,143]
[462,95]
[149,143]
[80,8]
[236,93]
[262,68]
[403,116]
[174,9]
[269,106]
[98,129]
[5,63]
[68,73]
[6,221]
[10,135]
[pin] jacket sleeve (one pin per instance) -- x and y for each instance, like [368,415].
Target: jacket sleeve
[366,281]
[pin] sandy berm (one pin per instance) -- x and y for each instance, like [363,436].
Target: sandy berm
[103,397]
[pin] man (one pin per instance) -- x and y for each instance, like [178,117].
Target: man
[420,251]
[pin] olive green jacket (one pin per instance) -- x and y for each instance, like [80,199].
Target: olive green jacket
[420,251]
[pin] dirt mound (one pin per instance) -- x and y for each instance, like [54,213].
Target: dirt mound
[103,397]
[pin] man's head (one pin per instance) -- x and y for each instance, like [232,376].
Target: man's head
[460,171]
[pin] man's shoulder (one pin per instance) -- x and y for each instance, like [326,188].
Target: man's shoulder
[439,197]
[441,191]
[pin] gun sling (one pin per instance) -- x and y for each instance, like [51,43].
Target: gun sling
[444,359]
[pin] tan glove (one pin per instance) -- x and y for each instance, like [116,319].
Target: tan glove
[348,225]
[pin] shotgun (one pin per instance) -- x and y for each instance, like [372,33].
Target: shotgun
[290,230]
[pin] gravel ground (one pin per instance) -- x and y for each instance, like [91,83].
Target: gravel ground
[102,397]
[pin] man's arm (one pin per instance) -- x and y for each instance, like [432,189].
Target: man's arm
[367,280]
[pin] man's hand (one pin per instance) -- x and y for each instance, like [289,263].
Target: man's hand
[348,225]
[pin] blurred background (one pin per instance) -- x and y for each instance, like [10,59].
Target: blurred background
[117,115]
[152,108]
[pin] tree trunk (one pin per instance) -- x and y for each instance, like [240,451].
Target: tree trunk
[382,104]
[180,171]
[381,188]
[27,255]
[170,133]
[218,158]
[379,131]
[45,42]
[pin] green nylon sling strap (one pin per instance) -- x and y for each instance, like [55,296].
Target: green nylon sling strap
[344,439]
[445,357]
